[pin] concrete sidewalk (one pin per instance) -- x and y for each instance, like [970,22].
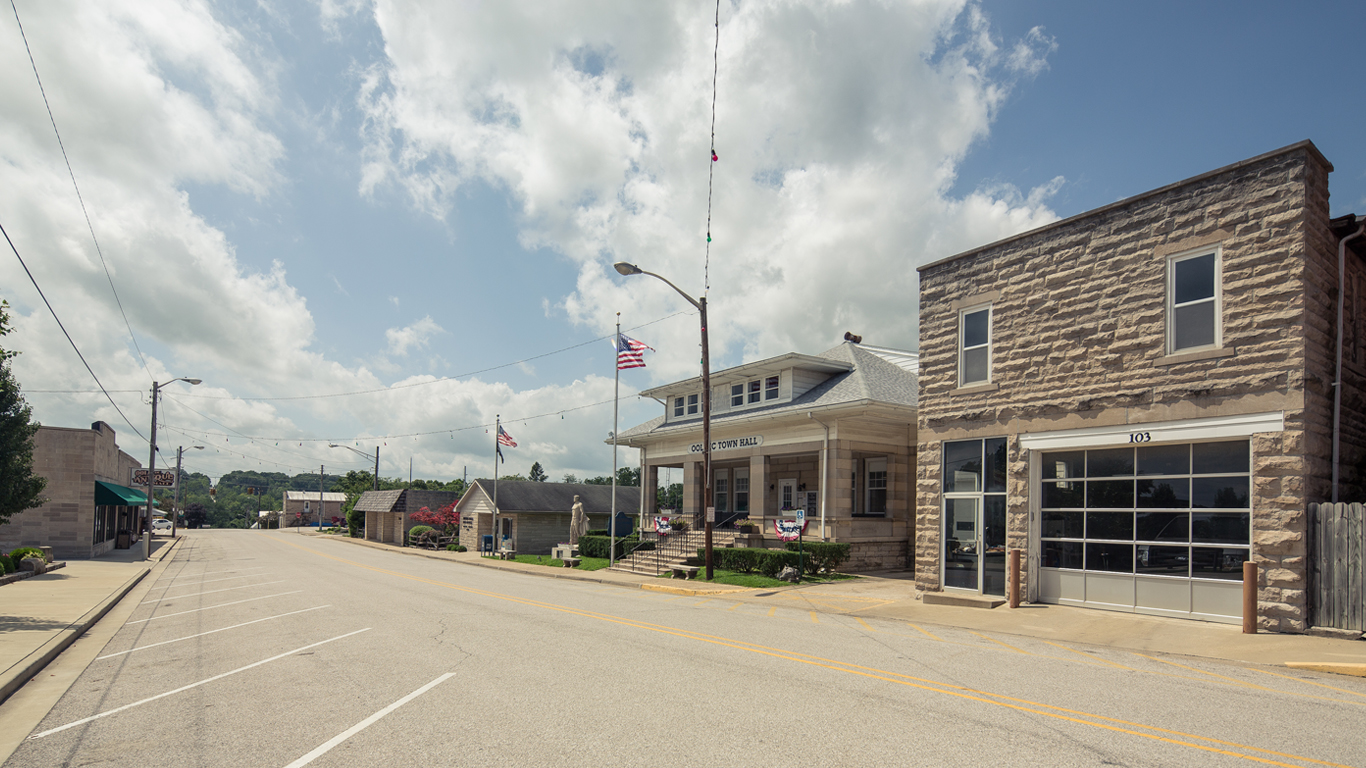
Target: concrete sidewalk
[891,596]
[43,615]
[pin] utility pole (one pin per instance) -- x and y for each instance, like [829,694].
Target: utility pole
[320,498]
[175,508]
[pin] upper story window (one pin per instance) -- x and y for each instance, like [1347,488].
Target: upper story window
[974,345]
[754,392]
[1193,305]
[686,405]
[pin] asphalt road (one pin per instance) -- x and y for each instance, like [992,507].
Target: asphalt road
[273,649]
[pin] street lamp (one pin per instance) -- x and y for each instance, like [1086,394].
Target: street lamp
[175,508]
[362,453]
[152,465]
[701,303]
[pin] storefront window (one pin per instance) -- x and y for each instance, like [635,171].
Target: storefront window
[975,479]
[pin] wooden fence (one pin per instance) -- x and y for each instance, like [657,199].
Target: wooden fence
[1337,581]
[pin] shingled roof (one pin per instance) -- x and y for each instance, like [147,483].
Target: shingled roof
[873,379]
[531,496]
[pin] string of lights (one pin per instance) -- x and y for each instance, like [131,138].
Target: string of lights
[451,430]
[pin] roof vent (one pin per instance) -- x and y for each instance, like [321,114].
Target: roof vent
[849,336]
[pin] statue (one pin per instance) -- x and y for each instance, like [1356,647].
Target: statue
[578,522]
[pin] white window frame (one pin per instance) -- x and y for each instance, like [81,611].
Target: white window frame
[1217,299]
[772,392]
[678,407]
[694,404]
[962,315]
[871,465]
[737,398]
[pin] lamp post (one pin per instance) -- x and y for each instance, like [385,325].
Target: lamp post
[175,508]
[152,466]
[362,453]
[701,304]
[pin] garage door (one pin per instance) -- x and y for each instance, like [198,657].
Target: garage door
[1158,529]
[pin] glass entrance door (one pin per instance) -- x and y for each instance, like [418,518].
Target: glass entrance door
[975,515]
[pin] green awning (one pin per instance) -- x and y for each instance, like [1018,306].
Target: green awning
[111,495]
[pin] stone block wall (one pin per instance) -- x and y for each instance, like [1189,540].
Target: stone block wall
[1079,339]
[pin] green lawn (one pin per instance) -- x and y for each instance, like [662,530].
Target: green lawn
[585,563]
[759,581]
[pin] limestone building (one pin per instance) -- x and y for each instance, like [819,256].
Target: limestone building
[88,503]
[833,434]
[1141,397]
[533,516]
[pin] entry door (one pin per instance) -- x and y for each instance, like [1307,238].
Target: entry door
[787,494]
[975,544]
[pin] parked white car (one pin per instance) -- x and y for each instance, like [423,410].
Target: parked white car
[159,526]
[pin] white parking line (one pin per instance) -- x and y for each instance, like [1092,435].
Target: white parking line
[215,573]
[210,581]
[183,688]
[210,632]
[207,607]
[366,723]
[212,591]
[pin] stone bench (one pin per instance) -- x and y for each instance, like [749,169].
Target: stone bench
[684,571]
[507,554]
[571,562]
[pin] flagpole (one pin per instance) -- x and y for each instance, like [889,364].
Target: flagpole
[497,429]
[616,397]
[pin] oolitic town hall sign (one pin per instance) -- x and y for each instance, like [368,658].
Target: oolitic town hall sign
[753,441]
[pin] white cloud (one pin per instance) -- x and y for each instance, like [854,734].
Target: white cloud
[839,127]
[415,336]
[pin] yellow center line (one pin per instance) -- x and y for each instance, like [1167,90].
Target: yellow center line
[772,609]
[924,632]
[865,624]
[933,686]
[814,620]
[1203,672]
[733,607]
[1093,658]
[998,642]
[1310,682]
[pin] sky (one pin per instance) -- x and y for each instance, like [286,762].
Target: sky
[387,223]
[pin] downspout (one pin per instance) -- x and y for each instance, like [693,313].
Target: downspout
[825,464]
[1337,376]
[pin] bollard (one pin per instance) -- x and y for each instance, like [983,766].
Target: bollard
[1014,569]
[1249,598]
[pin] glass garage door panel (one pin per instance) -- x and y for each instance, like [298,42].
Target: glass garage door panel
[1147,528]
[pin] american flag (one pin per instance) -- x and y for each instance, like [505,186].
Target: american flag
[630,353]
[505,439]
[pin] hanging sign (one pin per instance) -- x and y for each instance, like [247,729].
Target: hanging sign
[164,478]
[662,526]
[789,530]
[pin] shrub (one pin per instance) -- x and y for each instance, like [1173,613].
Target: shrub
[6,565]
[597,532]
[417,530]
[456,548]
[745,560]
[445,518]
[598,546]
[821,556]
[23,552]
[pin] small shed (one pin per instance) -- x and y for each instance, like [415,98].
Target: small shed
[386,512]
[535,516]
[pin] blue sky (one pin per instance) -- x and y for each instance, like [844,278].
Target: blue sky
[302,199]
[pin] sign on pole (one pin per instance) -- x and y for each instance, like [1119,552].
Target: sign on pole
[163,478]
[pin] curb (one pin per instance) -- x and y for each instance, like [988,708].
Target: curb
[1355,670]
[691,592]
[28,667]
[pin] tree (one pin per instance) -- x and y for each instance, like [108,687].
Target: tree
[195,515]
[445,518]
[537,474]
[570,477]
[20,489]
[627,477]
[670,497]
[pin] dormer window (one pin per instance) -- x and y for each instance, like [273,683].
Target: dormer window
[771,388]
[692,404]
[737,395]
[678,406]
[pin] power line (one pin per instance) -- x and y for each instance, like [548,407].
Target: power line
[79,197]
[34,280]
